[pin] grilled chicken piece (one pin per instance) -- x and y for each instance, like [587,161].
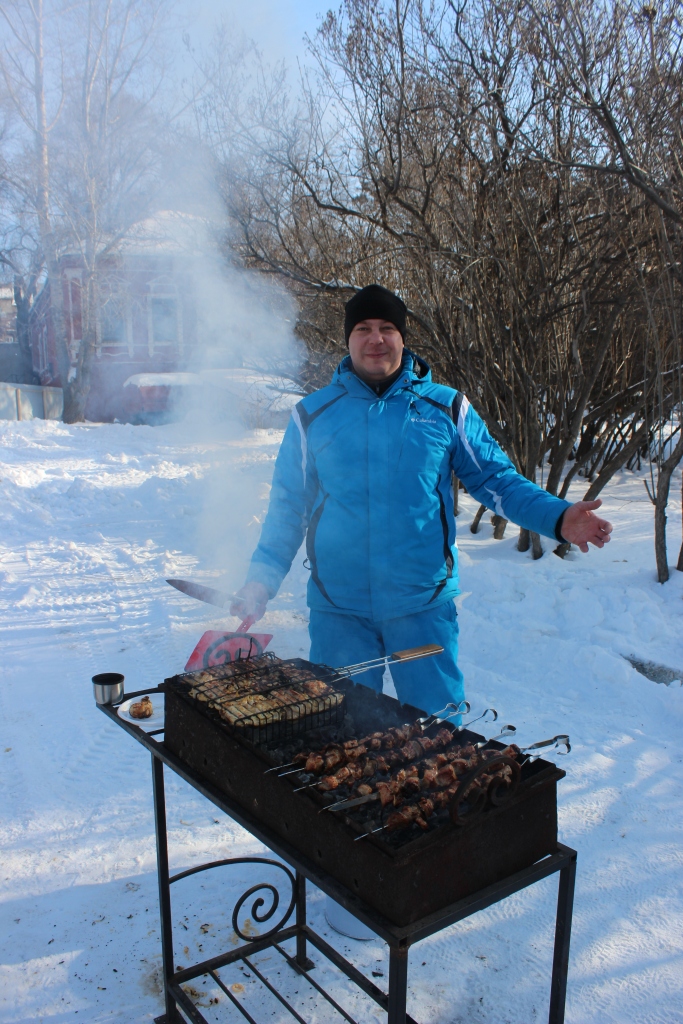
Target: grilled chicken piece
[404,817]
[388,791]
[445,776]
[405,773]
[316,688]
[315,764]
[373,741]
[333,759]
[141,708]
[412,750]
[349,773]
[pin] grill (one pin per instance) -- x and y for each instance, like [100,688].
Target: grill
[499,836]
[405,875]
[264,699]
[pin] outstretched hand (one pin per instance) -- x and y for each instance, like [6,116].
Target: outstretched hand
[250,602]
[582,527]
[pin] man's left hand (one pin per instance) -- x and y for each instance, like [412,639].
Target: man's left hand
[582,527]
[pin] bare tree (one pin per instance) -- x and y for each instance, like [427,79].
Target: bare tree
[450,152]
[84,81]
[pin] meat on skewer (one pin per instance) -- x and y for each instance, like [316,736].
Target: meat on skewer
[334,755]
[441,785]
[401,739]
[419,812]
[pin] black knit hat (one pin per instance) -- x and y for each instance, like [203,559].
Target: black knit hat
[375,303]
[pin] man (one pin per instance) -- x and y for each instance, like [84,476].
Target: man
[364,472]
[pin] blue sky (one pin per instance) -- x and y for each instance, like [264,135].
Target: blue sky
[276,26]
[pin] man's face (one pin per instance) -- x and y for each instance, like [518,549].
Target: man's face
[376,349]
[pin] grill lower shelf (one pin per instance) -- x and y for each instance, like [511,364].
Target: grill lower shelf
[404,885]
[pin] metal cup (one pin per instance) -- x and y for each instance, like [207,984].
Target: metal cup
[108,687]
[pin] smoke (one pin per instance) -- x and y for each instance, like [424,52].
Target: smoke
[241,354]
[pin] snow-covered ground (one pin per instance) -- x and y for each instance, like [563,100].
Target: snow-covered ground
[94,518]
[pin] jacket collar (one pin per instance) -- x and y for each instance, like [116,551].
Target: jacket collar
[414,368]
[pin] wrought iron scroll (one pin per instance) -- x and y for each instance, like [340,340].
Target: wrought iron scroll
[487,784]
[256,908]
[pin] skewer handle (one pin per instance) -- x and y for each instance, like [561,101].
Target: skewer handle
[412,653]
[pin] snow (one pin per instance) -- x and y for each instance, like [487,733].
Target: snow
[265,391]
[94,518]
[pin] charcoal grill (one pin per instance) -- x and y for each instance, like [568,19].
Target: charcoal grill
[404,890]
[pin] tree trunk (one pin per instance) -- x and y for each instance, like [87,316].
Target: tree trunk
[75,398]
[615,464]
[47,236]
[661,501]
[564,449]
[536,546]
[499,524]
[77,389]
[474,526]
[22,301]
[524,539]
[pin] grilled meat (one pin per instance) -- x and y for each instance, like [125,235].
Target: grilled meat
[141,708]
[426,806]
[262,691]
[405,816]
[367,750]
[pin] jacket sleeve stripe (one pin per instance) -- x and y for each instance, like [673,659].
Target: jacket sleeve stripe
[455,406]
[302,435]
[497,503]
[462,434]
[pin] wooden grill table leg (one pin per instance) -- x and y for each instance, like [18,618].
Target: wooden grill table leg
[290,911]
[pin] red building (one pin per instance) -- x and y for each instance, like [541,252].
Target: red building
[146,324]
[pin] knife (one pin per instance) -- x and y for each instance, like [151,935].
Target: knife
[206,594]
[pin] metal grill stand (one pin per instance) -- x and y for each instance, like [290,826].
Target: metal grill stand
[399,939]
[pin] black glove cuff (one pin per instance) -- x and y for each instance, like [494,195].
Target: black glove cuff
[558,529]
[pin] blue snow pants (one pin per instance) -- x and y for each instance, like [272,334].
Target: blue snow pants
[429,683]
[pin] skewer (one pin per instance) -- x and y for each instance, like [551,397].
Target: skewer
[345,805]
[545,745]
[482,716]
[279,767]
[508,730]
[412,654]
[555,742]
[456,709]
[370,833]
[463,708]
[307,786]
[458,728]
[295,771]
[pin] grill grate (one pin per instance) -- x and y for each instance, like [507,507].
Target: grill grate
[267,700]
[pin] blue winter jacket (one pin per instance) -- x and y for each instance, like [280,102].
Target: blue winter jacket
[367,480]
